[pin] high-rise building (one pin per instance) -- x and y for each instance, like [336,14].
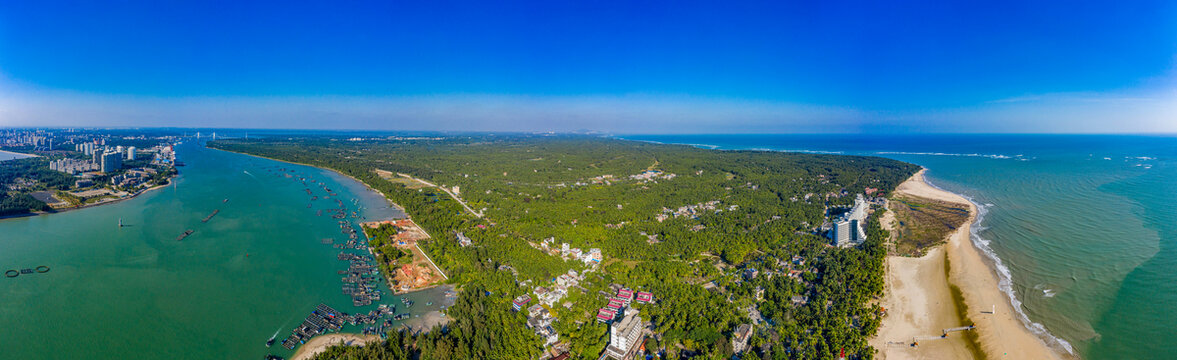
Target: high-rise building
[111,161]
[848,230]
[131,153]
[625,336]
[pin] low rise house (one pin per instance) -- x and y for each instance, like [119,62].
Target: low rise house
[750,273]
[606,315]
[740,337]
[535,310]
[521,301]
[592,257]
[625,295]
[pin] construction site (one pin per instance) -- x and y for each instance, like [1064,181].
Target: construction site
[406,275]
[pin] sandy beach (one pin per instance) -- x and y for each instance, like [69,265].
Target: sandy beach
[919,301]
[426,322]
[16,155]
[320,343]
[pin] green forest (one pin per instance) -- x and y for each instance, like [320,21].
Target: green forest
[28,174]
[681,222]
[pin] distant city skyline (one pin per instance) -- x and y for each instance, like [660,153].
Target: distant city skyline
[667,67]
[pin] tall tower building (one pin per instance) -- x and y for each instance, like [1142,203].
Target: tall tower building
[111,161]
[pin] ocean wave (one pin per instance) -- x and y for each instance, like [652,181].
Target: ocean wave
[990,156]
[811,151]
[718,147]
[1005,278]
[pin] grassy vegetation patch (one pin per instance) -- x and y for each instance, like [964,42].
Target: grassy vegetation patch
[921,223]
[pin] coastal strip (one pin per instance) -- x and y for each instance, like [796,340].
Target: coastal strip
[96,204]
[320,344]
[17,155]
[920,299]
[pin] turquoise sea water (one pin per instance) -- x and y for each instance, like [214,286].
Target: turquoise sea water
[256,268]
[1084,227]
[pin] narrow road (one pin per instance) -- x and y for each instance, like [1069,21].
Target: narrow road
[447,191]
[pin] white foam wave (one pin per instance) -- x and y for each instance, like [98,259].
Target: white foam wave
[1049,293]
[1005,278]
[991,156]
[717,147]
[815,151]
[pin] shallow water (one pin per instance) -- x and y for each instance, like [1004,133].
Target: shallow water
[8,155]
[257,267]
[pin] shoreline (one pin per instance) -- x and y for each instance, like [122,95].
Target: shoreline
[386,199]
[87,206]
[1000,333]
[16,153]
[424,324]
[319,344]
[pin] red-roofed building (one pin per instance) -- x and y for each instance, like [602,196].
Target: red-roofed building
[645,297]
[521,301]
[625,293]
[605,315]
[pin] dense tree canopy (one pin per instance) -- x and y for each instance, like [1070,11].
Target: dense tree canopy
[678,221]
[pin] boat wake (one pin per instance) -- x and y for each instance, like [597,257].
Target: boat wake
[1005,278]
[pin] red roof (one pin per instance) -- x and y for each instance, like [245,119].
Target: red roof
[606,314]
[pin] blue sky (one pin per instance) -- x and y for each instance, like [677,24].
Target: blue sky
[655,67]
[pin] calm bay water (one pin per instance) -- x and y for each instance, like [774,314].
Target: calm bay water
[256,268]
[1085,227]
[8,155]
